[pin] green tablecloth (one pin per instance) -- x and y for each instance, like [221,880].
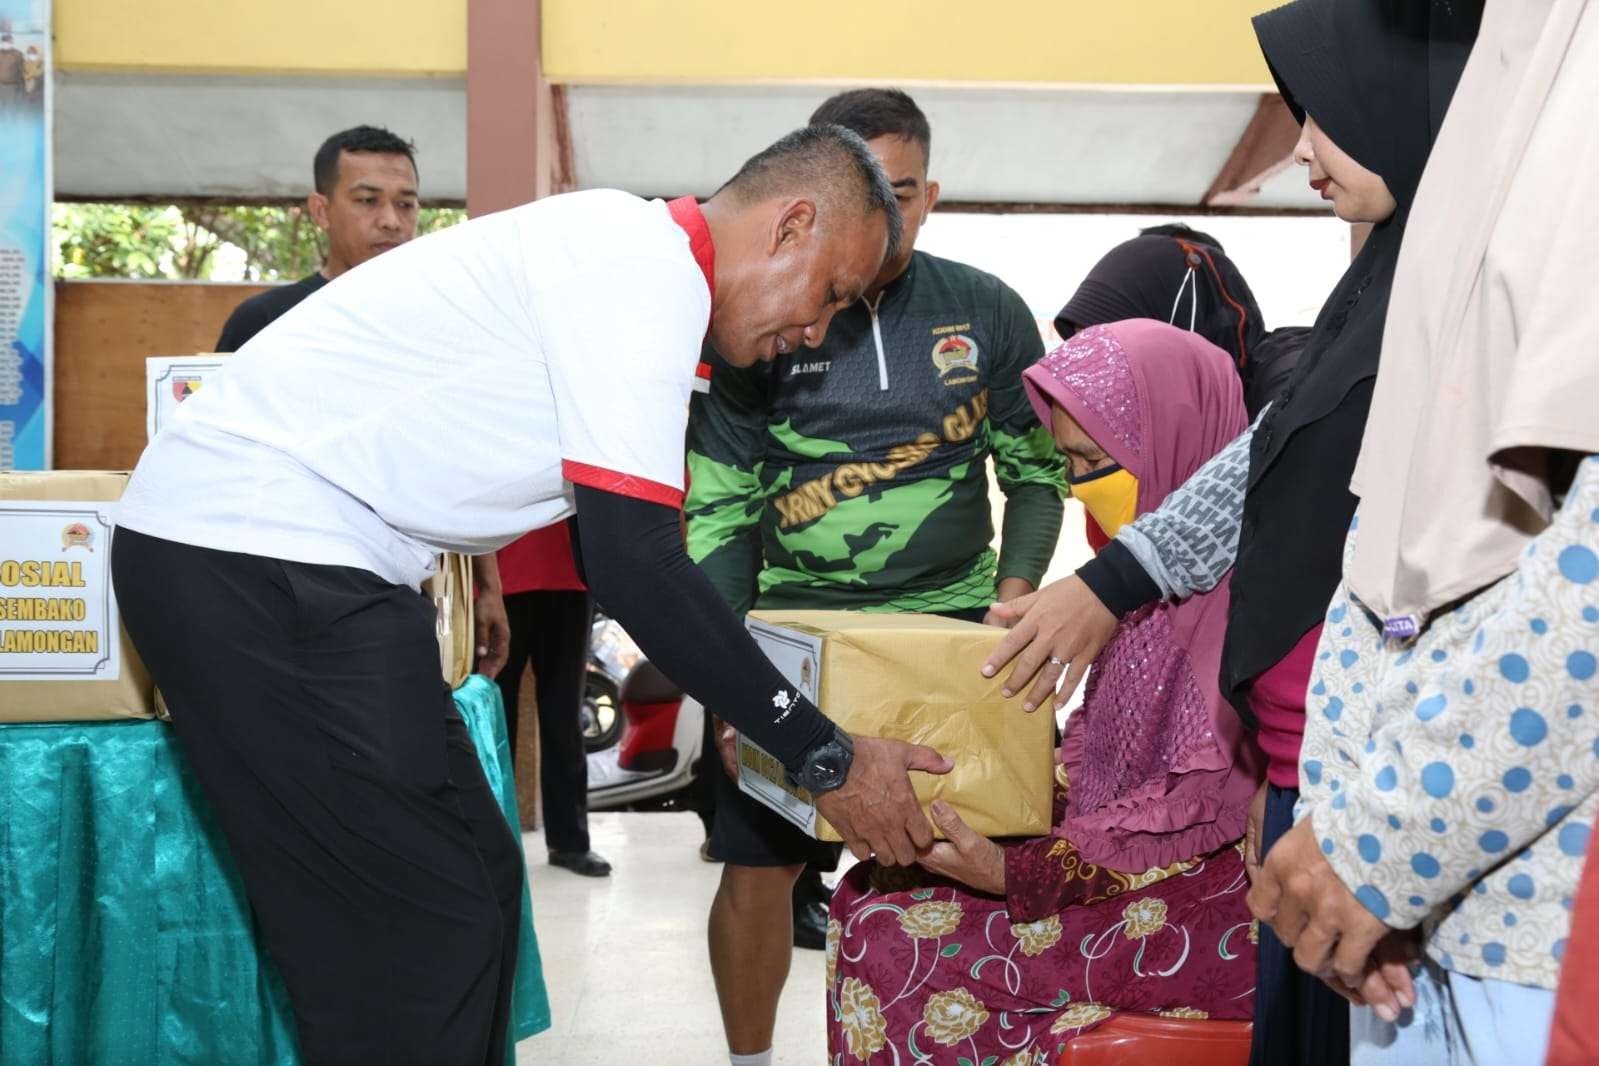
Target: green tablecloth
[125,937]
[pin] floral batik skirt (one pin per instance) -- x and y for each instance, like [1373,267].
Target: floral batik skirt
[930,972]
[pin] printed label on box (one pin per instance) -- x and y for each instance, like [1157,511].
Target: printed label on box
[172,379]
[760,775]
[798,657]
[58,614]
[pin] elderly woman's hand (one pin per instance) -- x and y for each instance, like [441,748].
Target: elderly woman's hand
[967,856]
[1313,911]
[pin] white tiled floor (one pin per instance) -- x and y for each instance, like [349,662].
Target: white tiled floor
[625,957]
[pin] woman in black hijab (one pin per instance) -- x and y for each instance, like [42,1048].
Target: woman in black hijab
[1374,78]
[1370,80]
[1183,277]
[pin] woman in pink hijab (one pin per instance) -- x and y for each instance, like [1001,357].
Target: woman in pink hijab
[1002,952]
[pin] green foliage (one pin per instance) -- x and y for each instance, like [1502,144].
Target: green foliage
[127,241]
[111,240]
[279,243]
[437,218]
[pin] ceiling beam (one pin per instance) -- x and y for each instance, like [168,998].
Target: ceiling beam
[1264,150]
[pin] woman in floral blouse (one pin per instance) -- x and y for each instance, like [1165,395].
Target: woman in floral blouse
[1002,953]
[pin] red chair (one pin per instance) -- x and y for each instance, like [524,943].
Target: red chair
[1148,1039]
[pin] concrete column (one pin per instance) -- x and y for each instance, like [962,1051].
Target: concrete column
[509,113]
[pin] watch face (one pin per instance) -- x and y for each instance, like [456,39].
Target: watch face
[831,761]
[829,765]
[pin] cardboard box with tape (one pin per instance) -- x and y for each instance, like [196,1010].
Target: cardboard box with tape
[914,678]
[63,654]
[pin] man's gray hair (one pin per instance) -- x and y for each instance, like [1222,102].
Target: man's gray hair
[828,163]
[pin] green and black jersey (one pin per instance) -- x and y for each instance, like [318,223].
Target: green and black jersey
[854,475]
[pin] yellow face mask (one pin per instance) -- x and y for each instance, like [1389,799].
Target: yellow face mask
[1110,495]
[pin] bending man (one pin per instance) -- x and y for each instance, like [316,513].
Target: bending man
[274,534]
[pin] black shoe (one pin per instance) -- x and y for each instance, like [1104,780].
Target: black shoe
[810,888]
[585,863]
[810,927]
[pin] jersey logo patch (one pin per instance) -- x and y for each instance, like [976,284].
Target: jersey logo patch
[955,359]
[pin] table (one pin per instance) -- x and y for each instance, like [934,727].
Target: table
[125,937]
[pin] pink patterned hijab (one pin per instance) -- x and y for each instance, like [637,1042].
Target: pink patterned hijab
[1158,766]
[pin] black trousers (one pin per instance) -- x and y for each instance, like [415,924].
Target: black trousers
[1299,1021]
[308,702]
[550,630]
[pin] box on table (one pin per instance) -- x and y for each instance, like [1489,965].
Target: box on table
[63,654]
[171,379]
[450,589]
[915,678]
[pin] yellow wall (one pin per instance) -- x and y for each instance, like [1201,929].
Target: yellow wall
[263,36]
[1202,43]
[1205,43]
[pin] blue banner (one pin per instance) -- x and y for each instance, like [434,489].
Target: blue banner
[25,243]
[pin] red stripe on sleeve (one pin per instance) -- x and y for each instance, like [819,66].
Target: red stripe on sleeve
[638,488]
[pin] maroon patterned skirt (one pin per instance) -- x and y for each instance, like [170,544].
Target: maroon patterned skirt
[926,971]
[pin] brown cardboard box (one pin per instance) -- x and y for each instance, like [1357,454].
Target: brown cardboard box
[63,654]
[450,588]
[915,678]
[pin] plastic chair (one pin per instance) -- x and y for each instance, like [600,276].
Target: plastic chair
[1149,1040]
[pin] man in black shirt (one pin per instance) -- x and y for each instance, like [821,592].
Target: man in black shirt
[365,201]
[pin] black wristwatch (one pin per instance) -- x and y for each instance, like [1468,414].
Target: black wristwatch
[826,767]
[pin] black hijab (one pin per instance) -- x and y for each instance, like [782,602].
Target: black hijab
[1377,76]
[1181,277]
[1187,282]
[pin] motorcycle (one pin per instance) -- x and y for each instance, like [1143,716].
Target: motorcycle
[650,758]
[611,656]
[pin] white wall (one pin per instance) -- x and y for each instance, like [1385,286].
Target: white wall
[1291,262]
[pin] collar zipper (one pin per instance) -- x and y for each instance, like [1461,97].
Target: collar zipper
[877,336]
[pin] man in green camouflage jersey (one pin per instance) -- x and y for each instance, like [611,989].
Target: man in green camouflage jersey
[854,476]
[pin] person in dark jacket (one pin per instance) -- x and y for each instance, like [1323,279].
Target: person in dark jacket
[854,476]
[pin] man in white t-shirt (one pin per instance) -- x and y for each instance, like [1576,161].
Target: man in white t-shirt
[272,538]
